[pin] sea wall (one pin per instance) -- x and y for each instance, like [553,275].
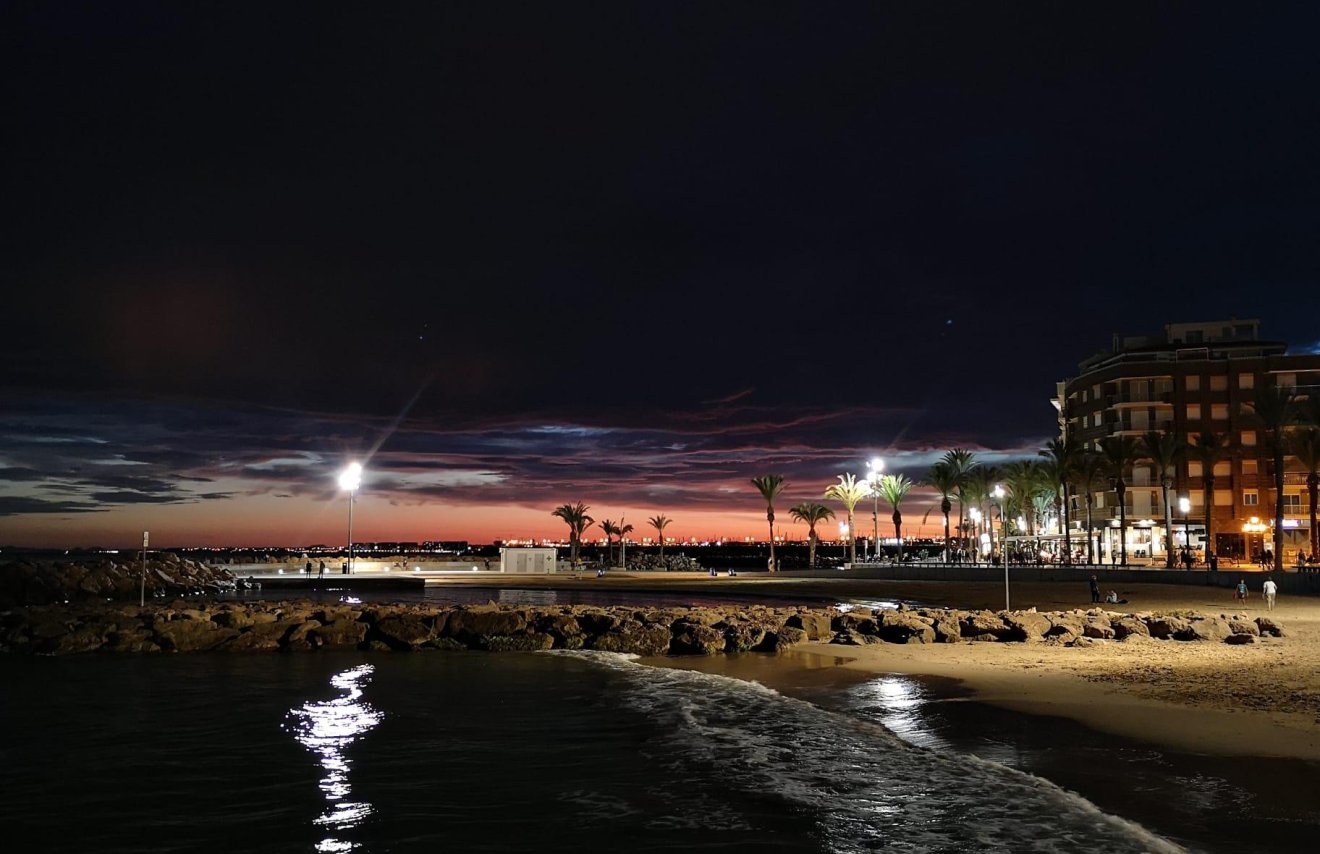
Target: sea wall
[304,626]
[25,582]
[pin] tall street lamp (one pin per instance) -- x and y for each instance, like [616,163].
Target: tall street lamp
[875,466]
[1185,505]
[999,494]
[843,538]
[350,479]
[974,514]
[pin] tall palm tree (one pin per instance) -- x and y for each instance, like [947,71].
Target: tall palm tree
[1208,450]
[893,489]
[1023,480]
[1090,474]
[660,523]
[1276,408]
[945,479]
[848,491]
[770,485]
[962,462]
[623,531]
[608,528]
[1059,460]
[575,516]
[1119,453]
[1165,451]
[811,512]
[1305,445]
[975,489]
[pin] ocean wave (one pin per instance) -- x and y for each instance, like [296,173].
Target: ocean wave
[865,787]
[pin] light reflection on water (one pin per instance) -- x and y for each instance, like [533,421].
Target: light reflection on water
[327,728]
[900,705]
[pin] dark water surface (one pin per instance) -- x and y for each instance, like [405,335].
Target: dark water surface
[480,752]
[474,595]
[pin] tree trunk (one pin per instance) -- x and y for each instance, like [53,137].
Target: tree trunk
[1067,528]
[1122,520]
[852,539]
[1278,500]
[946,537]
[1090,531]
[1168,526]
[1312,489]
[811,547]
[770,518]
[662,544]
[898,532]
[1208,504]
[572,546]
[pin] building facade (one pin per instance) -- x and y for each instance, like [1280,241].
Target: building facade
[1195,378]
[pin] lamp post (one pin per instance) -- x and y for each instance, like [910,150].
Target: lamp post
[974,514]
[1185,505]
[351,478]
[875,467]
[999,493]
[843,538]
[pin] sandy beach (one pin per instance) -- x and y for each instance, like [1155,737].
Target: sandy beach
[1261,699]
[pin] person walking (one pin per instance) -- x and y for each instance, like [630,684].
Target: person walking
[1240,592]
[321,572]
[1095,590]
[1270,590]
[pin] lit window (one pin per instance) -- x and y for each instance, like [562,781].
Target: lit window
[1223,498]
[1249,438]
[1193,412]
[1223,469]
[1287,380]
[1219,382]
[1292,502]
[1219,411]
[1249,467]
[1193,383]
[1250,498]
[1247,381]
[1194,469]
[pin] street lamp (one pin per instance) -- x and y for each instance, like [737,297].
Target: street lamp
[843,538]
[999,493]
[1185,505]
[875,466]
[350,479]
[974,514]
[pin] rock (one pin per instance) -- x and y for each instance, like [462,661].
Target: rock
[192,635]
[1205,628]
[260,637]
[847,638]
[82,639]
[1269,626]
[634,638]
[816,625]
[1162,627]
[695,639]
[743,637]
[905,627]
[531,642]
[947,631]
[340,633]
[1240,638]
[1242,626]
[1026,626]
[782,639]
[1081,642]
[233,619]
[403,632]
[482,621]
[1125,627]
[1098,630]
[983,624]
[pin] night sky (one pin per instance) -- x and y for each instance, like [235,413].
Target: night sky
[516,255]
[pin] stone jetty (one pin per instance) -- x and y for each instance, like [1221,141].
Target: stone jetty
[24,582]
[295,626]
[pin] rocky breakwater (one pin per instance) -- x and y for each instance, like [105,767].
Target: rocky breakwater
[296,626]
[44,582]
[233,627]
[1065,628]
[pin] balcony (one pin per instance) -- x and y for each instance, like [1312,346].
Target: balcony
[1164,398]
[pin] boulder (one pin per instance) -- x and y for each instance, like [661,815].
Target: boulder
[531,642]
[192,635]
[743,637]
[1164,627]
[1242,626]
[947,631]
[403,632]
[1269,626]
[81,639]
[696,639]
[340,633]
[1098,630]
[634,638]
[1240,638]
[1026,626]
[261,637]
[983,625]
[815,624]
[905,627]
[1125,627]
[782,639]
[1205,628]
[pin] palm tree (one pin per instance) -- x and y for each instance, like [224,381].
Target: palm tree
[1208,450]
[893,489]
[975,490]
[575,516]
[770,485]
[848,491]
[945,479]
[1059,460]
[1090,472]
[1119,452]
[962,462]
[610,529]
[660,523]
[623,531]
[1305,445]
[1023,480]
[1165,451]
[811,513]
[1276,409]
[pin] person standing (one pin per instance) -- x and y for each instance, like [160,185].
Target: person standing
[1270,590]
[1095,590]
[308,569]
[321,571]
[1240,592]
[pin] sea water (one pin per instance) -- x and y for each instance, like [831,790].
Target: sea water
[542,752]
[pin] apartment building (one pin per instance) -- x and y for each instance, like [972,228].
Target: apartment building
[1194,378]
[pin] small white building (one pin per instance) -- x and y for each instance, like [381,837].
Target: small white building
[527,561]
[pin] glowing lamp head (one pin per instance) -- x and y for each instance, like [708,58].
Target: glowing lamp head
[1184,505]
[351,477]
[998,491]
[876,465]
